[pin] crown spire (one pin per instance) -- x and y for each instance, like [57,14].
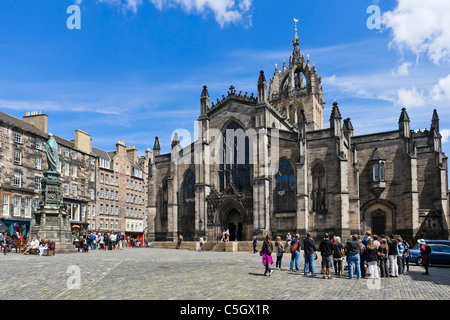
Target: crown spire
[296,43]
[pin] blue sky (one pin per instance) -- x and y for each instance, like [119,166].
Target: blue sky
[136,68]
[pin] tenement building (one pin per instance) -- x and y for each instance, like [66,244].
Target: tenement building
[266,164]
[22,161]
[121,190]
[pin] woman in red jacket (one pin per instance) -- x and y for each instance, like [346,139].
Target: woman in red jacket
[425,251]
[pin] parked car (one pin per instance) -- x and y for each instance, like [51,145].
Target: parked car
[446,242]
[440,254]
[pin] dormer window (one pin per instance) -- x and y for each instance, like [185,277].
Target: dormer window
[378,169]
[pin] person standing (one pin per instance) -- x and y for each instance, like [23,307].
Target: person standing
[255,243]
[353,256]
[393,256]
[326,251]
[372,259]
[180,240]
[113,239]
[280,250]
[92,240]
[267,250]
[375,241]
[400,250]
[338,256]
[201,244]
[366,238]
[227,234]
[383,252]
[362,259]
[101,241]
[309,247]
[425,251]
[406,256]
[295,253]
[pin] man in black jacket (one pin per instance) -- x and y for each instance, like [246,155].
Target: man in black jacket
[326,251]
[309,247]
[392,243]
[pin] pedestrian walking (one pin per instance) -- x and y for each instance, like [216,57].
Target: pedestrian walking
[425,251]
[372,259]
[255,243]
[295,253]
[326,251]
[309,248]
[353,256]
[280,250]
[266,252]
[338,256]
[383,253]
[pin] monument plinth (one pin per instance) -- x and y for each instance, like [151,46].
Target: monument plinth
[50,220]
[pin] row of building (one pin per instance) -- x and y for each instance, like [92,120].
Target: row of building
[105,190]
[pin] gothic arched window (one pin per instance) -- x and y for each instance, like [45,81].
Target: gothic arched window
[188,185]
[235,163]
[284,195]
[164,200]
[186,219]
[318,188]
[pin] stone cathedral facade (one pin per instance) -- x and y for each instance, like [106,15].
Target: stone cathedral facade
[267,165]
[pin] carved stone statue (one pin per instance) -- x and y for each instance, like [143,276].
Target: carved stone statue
[52,154]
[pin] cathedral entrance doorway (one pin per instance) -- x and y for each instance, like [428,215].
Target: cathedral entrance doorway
[234,223]
[379,222]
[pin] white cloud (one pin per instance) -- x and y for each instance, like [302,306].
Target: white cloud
[225,11]
[441,91]
[422,27]
[402,70]
[445,133]
[410,98]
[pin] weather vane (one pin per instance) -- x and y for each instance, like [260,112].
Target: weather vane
[295,20]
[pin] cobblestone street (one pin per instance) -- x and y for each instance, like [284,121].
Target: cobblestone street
[169,274]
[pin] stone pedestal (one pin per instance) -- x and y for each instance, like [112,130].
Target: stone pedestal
[51,219]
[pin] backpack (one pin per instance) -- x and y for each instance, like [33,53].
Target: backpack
[280,248]
[294,247]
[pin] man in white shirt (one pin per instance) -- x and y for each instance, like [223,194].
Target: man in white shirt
[33,245]
[113,239]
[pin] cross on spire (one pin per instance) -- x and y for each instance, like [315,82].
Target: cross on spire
[295,36]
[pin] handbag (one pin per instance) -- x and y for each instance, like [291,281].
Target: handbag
[315,256]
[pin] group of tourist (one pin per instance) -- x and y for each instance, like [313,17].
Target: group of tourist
[371,257]
[101,241]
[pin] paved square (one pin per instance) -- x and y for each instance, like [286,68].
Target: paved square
[152,274]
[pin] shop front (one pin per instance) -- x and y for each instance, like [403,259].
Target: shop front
[134,239]
[22,226]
